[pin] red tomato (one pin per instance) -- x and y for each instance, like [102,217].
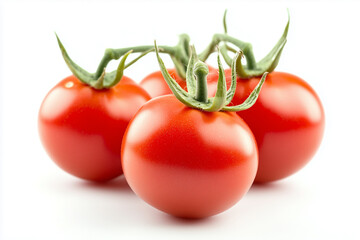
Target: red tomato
[287,121]
[126,80]
[155,84]
[186,162]
[82,128]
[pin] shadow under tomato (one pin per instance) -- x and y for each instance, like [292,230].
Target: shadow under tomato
[115,185]
[278,188]
[191,222]
[165,219]
[270,186]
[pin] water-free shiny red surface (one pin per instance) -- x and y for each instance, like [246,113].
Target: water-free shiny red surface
[81,128]
[287,121]
[187,162]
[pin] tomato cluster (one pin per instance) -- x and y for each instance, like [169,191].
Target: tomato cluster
[191,140]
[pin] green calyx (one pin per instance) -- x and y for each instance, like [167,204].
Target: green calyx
[196,96]
[104,81]
[252,68]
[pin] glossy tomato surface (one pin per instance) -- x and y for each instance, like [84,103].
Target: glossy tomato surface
[155,84]
[287,121]
[186,162]
[82,128]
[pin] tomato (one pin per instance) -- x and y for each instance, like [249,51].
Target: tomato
[155,84]
[287,121]
[127,80]
[187,162]
[82,128]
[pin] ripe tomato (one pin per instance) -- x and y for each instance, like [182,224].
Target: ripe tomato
[81,128]
[155,84]
[287,121]
[187,162]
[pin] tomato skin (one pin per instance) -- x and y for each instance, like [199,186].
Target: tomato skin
[287,121]
[155,84]
[81,128]
[188,163]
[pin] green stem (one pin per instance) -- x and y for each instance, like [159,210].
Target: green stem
[201,71]
[179,54]
[114,54]
[184,47]
[245,47]
[224,52]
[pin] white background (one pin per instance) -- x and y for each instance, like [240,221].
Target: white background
[39,201]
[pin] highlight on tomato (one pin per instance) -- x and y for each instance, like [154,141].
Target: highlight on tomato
[288,118]
[83,118]
[189,155]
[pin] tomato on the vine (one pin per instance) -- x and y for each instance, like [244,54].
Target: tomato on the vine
[81,128]
[287,121]
[186,154]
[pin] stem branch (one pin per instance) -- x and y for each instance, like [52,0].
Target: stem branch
[114,54]
[245,47]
